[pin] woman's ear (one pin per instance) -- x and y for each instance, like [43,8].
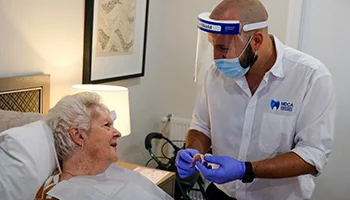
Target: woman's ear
[77,136]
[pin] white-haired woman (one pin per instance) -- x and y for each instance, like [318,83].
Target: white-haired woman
[86,145]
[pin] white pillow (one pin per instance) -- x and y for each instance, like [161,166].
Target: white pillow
[9,119]
[27,158]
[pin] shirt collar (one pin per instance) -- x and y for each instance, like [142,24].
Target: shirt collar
[277,68]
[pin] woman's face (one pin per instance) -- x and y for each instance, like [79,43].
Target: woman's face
[101,143]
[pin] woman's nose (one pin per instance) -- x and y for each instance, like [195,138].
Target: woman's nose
[116,133]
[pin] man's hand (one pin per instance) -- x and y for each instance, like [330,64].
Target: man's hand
[230,169]
[184,158]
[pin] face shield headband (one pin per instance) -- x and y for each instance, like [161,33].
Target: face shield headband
[226,27]
[220,36]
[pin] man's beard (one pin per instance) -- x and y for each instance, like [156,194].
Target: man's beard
[248,58]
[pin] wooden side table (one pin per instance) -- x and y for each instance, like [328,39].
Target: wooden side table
[167,183]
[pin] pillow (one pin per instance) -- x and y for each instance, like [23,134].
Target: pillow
[9,119]
[27,158]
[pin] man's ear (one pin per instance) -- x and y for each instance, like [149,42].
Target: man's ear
[257,41]
[77,136]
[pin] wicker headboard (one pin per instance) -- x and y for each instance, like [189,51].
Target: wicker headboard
[25,93]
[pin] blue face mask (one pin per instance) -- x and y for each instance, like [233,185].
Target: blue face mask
[232,67]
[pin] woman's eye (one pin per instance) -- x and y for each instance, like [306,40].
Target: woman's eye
[107,125]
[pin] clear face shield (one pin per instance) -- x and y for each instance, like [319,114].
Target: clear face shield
[223,46]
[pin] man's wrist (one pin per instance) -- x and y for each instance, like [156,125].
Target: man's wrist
[249,175]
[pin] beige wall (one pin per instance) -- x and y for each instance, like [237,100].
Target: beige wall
[278,17]
[42,36]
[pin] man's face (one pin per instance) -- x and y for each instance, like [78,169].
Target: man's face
[227,46]
[101,143]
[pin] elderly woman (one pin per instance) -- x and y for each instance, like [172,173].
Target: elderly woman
[86,145]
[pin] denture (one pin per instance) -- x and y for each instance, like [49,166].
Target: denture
[196,157]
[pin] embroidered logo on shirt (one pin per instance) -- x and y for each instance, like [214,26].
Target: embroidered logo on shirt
[284,105]
[275,104]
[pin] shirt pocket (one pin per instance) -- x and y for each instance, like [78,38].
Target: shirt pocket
[276,133]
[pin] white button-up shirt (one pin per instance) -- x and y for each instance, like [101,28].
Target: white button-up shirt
[292,110]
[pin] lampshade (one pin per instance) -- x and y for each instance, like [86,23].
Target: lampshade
[115,98]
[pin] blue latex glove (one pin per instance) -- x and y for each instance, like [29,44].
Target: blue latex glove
[184,159]
[230,169]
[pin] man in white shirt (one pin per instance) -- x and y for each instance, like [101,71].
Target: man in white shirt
[267,111]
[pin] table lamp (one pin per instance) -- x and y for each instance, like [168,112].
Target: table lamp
[115,98]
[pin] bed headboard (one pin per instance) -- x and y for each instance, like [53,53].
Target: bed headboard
[25,93]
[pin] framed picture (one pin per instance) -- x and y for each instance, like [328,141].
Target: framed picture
[115,33]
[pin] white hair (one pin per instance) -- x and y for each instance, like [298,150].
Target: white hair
[71,111]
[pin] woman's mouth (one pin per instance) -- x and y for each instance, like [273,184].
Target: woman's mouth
[114,145]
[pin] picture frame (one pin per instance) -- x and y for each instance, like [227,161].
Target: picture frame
[115,38]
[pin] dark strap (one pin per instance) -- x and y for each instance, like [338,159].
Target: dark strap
[213,193]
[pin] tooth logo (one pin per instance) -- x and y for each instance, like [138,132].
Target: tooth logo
[275,104]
